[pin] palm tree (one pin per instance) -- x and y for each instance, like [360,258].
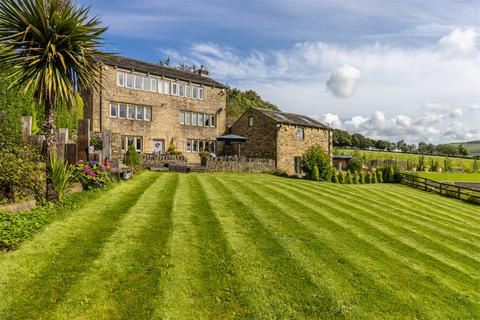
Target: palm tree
[49,47]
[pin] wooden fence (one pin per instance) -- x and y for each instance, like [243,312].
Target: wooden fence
[446,189]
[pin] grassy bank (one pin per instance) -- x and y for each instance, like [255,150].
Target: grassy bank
[224,246]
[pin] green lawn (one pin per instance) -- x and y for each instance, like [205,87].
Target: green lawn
[224,246]
[451,177]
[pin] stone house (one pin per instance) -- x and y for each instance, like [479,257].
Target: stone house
[152,106]
[280,136]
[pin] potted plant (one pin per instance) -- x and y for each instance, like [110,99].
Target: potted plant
[204,155]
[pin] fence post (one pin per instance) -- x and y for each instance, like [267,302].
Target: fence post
[426,185]
[458,192]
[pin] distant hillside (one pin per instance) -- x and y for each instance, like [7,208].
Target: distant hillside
[473,147]
[239,101]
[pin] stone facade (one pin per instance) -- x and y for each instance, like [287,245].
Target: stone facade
[165,117]
[272,139]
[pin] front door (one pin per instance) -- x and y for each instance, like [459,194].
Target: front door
[157,146]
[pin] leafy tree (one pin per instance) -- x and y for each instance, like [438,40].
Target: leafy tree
[355,164]
[49,46]
[315,157]
[239,101]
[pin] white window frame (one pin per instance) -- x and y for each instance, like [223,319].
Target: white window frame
[201,116]
[195,92]
[206,118]
[115,108]
[194,119]
[145,113]
[181,89]
[213,119]
[300,129]
[146,81]
[188,91]
[152,81]
[137,77]
[119,108]
[188,118]
[200,93]
[134,112]
[174,89]
[167,85]
[250,121]
[122,75]
[133,80]
[136,139]
[187,149]
[182,117]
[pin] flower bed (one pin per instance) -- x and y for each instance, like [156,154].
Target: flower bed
[92,174]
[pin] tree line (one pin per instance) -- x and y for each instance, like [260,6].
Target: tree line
[343,139]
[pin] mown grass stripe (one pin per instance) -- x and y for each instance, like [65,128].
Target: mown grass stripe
[406,251]
[222,297]
[336,270]
[406,226]
[382,201]
[384,227]
[454,208]
[286,289]
[375,258]
[122,281]
[64,251]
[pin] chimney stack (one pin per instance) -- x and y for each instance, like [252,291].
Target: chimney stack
[203,72]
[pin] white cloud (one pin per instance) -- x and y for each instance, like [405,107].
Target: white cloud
[459,41]
[343,81]
[332,120]
[425,128]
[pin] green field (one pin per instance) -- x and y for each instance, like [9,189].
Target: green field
[224,246]
[456,163]
[451,177]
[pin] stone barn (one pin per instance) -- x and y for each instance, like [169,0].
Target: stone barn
[280,136]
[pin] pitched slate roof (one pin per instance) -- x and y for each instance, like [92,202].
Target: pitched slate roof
[153,69]
[292,118]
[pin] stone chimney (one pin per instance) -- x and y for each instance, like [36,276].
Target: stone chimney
[203,72]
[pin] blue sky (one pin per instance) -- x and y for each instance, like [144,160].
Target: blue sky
[390,69]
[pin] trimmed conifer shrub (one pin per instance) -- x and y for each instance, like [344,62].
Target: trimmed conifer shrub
[368,177]
[315,174]
[335,177]
[356,177]
[362,177]
[374,178]
[391,175]
[380,176]
[349,177]
[341,177]
[132,159]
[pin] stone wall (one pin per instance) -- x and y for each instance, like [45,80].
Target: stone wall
[242,164]
[165,124]
[153,160]
[289,147]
